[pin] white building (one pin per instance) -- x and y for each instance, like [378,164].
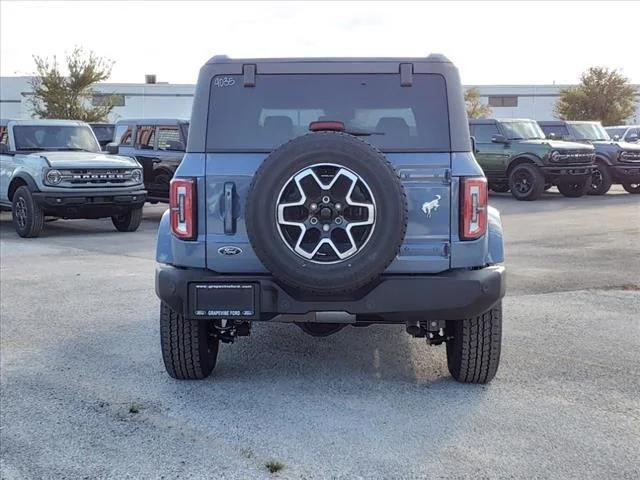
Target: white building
[144,100]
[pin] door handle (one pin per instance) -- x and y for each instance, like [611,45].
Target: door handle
[228,200]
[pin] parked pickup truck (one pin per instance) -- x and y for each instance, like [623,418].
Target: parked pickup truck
[55,168]
[158,144]
[516,157]
[616,161]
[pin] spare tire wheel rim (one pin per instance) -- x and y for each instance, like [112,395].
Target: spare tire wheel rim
[326,213]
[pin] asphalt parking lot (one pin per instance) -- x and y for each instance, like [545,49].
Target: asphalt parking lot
[84,393]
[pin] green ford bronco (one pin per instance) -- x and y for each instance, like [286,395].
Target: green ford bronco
[516,157]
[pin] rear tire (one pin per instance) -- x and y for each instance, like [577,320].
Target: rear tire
[28,216]
[631,187]
[128,222]
[574,189]
[189,347]
[473,354]
[526,182]
[600,180]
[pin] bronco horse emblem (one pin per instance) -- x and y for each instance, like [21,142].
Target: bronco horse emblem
[431,207]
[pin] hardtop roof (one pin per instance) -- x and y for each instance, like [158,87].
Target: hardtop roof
[432,58]
[487,121]
[34,122]
[151,121]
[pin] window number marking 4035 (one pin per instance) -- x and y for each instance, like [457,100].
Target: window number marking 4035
[224,82]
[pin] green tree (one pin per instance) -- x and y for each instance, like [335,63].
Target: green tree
[475,107]
[71,97]
[602,94]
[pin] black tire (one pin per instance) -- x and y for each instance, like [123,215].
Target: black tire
[526,182]
[499,187]
[574,189]
[373,256]
[128,222]
[601,180]
[28,216]
[160,185]
[473,352]
[189,347]
[632,187]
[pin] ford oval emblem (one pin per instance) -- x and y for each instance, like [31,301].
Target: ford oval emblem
[229,251]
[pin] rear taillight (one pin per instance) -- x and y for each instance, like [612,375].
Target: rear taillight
[182,205]
[473,204]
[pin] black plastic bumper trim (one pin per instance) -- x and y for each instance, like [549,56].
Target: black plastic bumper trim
[450,295]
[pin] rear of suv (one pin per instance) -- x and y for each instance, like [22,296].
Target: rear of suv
[617,161]
[516,157]
[158,144]
[327,193]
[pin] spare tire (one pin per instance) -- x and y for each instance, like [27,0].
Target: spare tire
[326,213]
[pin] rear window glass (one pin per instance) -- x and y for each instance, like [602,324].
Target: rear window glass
[280,107]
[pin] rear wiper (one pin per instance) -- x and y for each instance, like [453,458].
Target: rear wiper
[29,149]
[362,133]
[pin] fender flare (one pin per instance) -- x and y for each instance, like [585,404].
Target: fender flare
[524,158]
[495,250]
[24,177]
[603,157]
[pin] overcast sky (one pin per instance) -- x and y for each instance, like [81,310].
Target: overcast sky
[503,43]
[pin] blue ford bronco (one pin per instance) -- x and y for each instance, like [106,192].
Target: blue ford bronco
[616,161]
[327,193]
[54,168]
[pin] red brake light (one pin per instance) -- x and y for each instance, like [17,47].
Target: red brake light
[326,126]
[473,203]
[182,207]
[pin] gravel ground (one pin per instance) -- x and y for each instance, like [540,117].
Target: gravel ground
[84,393]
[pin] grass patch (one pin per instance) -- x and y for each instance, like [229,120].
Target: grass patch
[274,466]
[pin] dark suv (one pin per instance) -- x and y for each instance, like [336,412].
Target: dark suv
[516,157]
[158,144]
[327,193]
[616,161]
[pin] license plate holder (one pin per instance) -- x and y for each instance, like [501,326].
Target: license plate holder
[218,300]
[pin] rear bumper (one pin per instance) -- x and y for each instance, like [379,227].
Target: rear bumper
[96,204]
[451,295]
[626,173]
[566,173]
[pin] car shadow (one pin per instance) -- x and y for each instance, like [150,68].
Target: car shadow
[85,227]
[507,204]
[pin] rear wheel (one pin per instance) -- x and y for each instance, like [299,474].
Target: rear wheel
[526,182]
[574,189]
[28,217]
[189,347]
[473,351]
[128,222]
[631,187]
[600,180]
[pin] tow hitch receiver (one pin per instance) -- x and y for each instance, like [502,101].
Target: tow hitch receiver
[434,331]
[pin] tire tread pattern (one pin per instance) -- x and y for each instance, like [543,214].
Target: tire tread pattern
[184,346]
[473,355]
